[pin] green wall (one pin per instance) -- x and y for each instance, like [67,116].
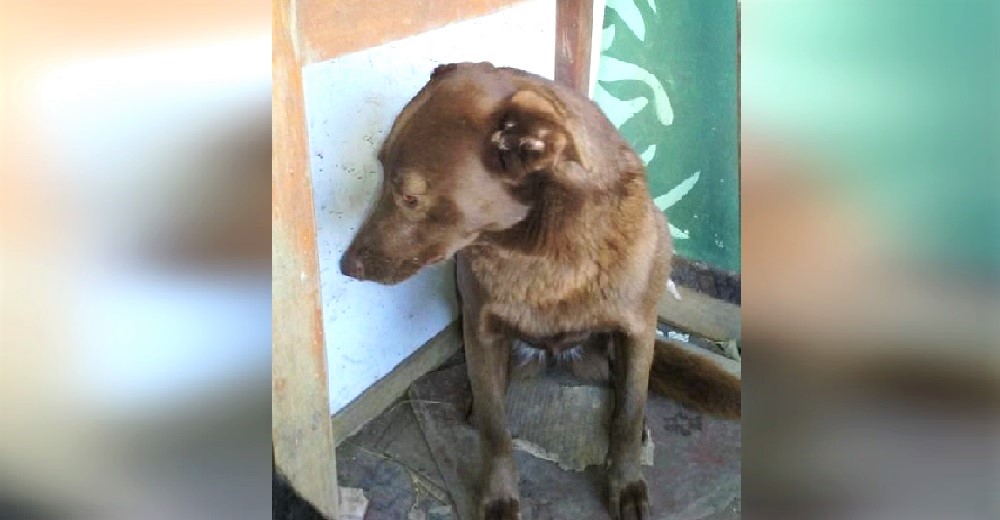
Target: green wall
[667,80]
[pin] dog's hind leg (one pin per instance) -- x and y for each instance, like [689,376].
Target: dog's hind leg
[487,353]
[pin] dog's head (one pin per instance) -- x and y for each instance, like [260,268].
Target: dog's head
[452,165]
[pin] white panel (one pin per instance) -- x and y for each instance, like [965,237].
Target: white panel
[595,43]
[350,104]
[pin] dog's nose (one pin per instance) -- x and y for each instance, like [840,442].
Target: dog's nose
[351,265]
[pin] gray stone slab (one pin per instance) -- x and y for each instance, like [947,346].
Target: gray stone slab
[696,465]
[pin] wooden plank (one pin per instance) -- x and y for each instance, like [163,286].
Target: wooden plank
[703,315]
[378,397]
[333,28]
[300,400]
[574,33]
[596,35]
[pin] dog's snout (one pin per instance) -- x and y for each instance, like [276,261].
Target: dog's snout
[352,264]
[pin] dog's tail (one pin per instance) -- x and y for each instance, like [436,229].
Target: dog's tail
[694,381]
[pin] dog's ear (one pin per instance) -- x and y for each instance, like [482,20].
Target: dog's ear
[443,69]
[533,133]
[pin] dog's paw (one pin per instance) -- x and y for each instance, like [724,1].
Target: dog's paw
[629,501]
[499,498]
[502,509]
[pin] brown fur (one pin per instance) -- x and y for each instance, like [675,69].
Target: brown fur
[689,380]
[558,245]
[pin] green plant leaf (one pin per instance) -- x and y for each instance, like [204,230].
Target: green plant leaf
[677,193]
[678,233]
[612,69]
[647,156]
[607,37]
[630,14]
[617,110]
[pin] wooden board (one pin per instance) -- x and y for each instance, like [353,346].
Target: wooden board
[574,29]
[333,28]
[383,393]
[703,315]
[300,410]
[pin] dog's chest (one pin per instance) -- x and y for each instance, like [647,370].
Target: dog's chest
[533,281]
[545,303]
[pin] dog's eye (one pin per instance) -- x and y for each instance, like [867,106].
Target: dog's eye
[409,200]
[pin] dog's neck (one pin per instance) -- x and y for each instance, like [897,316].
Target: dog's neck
[565,223]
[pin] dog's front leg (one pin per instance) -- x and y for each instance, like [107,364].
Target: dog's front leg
[628,498]
[487,353]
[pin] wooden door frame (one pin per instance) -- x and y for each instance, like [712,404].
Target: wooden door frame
[301,434]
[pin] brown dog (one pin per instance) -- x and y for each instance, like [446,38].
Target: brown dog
[561,254]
